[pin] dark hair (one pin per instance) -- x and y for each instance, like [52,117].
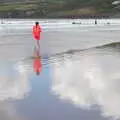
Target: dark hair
[37,73]
[37,23]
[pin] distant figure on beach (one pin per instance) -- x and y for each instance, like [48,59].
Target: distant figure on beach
[36,32]
[95,22]
[37,65]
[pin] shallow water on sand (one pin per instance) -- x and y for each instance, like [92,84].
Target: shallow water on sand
[75,74]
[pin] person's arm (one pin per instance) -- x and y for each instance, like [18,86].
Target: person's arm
[40,29]
[33,30]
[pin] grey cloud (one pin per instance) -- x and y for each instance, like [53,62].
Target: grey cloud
[89,78]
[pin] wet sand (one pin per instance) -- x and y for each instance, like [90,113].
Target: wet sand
[78,74]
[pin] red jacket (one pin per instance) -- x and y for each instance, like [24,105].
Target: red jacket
[36,31]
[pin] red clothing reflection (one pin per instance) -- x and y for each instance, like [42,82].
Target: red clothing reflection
[37,62]
[37,65]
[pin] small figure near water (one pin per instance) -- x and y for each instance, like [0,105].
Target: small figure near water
[95,22]
[36,32]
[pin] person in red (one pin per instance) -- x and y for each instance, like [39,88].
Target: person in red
[36,32]
[37,63]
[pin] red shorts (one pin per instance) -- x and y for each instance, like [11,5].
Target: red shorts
[37,37]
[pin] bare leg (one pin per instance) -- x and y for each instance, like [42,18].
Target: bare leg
[36,52]
[38,44]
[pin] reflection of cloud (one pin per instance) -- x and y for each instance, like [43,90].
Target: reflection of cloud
[13,84]
[94,79]
[8,112]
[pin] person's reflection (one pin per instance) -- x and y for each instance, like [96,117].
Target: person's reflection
[37,62]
